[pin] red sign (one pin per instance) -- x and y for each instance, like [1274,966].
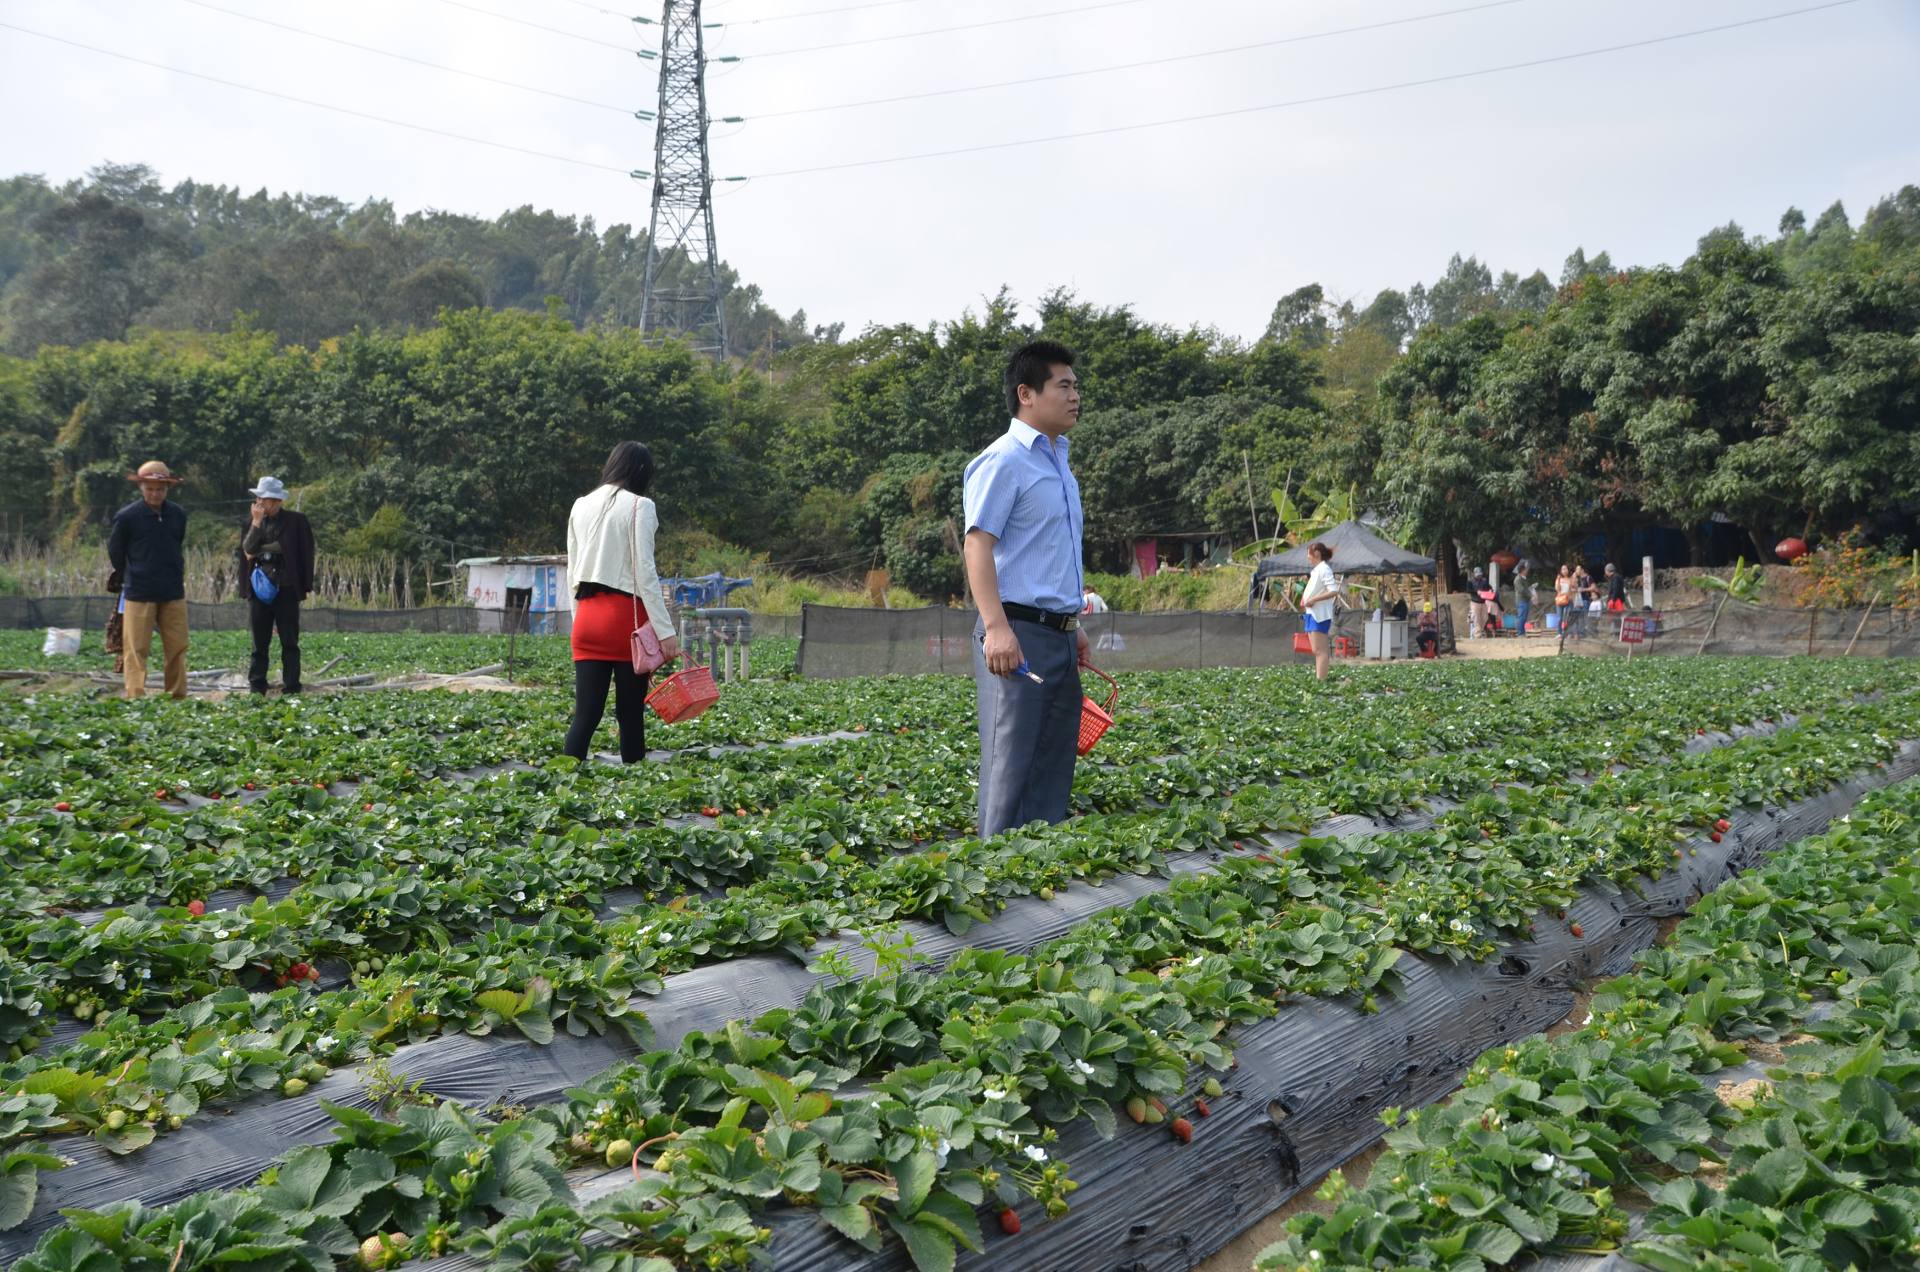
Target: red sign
[1633,629]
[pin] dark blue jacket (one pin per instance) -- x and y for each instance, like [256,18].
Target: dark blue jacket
[149,549]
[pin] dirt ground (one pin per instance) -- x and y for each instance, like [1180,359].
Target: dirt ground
[1238,1255]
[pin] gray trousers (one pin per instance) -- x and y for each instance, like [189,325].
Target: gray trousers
[1029,733]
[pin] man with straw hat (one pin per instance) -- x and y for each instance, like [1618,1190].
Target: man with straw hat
[148,546]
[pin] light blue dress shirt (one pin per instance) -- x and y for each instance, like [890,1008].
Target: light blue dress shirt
[1020,491]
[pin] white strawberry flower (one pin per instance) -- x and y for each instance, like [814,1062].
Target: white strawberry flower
[994,1094]
[1035,1153]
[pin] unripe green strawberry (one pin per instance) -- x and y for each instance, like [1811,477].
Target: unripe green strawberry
[1137,1109]
[620,1152]
[116,1119]
[294,1086]
[1212,1087]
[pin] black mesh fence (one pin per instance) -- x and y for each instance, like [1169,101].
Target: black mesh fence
[1740,628]
[89,613]
[836,642]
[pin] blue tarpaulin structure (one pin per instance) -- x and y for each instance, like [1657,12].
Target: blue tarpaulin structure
[703,592]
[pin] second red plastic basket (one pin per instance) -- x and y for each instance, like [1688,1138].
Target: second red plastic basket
[1094,718]
[684,694]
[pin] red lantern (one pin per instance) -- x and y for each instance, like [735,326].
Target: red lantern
[1790,550]
[1505,560]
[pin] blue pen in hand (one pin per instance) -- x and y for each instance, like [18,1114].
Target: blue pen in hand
[1028,672]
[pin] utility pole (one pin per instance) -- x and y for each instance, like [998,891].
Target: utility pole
[680,295]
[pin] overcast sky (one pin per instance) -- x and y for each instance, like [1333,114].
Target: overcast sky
[1636,152]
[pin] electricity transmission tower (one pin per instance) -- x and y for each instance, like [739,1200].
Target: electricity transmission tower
[680,294]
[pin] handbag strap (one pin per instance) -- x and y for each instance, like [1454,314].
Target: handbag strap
[633,546]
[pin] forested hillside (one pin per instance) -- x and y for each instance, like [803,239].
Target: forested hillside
[432,383]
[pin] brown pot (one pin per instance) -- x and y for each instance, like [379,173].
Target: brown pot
[1505,560]
[1790,550]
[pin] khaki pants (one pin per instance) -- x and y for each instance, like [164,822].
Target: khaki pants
[171,618]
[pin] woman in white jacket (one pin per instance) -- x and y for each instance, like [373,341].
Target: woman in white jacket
[616,588]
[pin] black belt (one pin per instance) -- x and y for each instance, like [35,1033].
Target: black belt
[1046,618]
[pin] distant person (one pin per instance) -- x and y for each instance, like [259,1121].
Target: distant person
[1427,634]
[1586,596]
[616,590]
[1478,590]
[1563,597]
[1024,529]
[1316,604]
[1616,590]
[276,572]
[1491,619]
[1091,602]
[147,545]
[1525,593]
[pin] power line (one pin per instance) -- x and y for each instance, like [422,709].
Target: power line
[914,35]
[537,26]
[403,57]
[1134,66]
[306,101]
[813,13]
[1306,101]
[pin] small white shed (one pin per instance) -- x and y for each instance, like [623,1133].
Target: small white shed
[537,583]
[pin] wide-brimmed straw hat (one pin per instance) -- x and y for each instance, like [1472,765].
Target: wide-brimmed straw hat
[154,470]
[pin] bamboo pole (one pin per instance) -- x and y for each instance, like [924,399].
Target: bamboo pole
[1863,623]
[1708,634]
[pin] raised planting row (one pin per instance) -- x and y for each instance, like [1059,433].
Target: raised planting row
[418,930]
[1744,1099]
[942,1089]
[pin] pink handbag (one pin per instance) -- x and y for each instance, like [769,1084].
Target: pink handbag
[644,642]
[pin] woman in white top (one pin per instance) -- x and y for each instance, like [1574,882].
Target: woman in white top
[1316,604]
[616,588]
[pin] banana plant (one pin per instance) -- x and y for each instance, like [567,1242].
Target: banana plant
[1743,584]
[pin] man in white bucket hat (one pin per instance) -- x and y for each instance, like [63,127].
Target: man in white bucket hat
[276,573]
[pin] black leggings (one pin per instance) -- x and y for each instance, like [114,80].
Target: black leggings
[590,680]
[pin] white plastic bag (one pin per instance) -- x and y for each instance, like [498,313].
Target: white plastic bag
[61,642]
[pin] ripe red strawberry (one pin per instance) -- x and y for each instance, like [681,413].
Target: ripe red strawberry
[319,786]
[1714,835]
[280,981]
[63,807]
[710,811]
[1200,1107]
[1182,1130]
[1723,824]
[216,795]
[1578,931]
[298,971]
[1009,1221]
[249,785]
[196,908]
[161,793]
[366,808]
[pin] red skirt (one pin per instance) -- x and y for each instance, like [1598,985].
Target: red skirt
[603,627]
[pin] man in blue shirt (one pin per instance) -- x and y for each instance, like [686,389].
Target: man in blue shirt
[1024,570]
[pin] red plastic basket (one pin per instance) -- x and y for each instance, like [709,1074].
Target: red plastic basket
[1096,719]
[1302,643]
[684,694]
[1345,647]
